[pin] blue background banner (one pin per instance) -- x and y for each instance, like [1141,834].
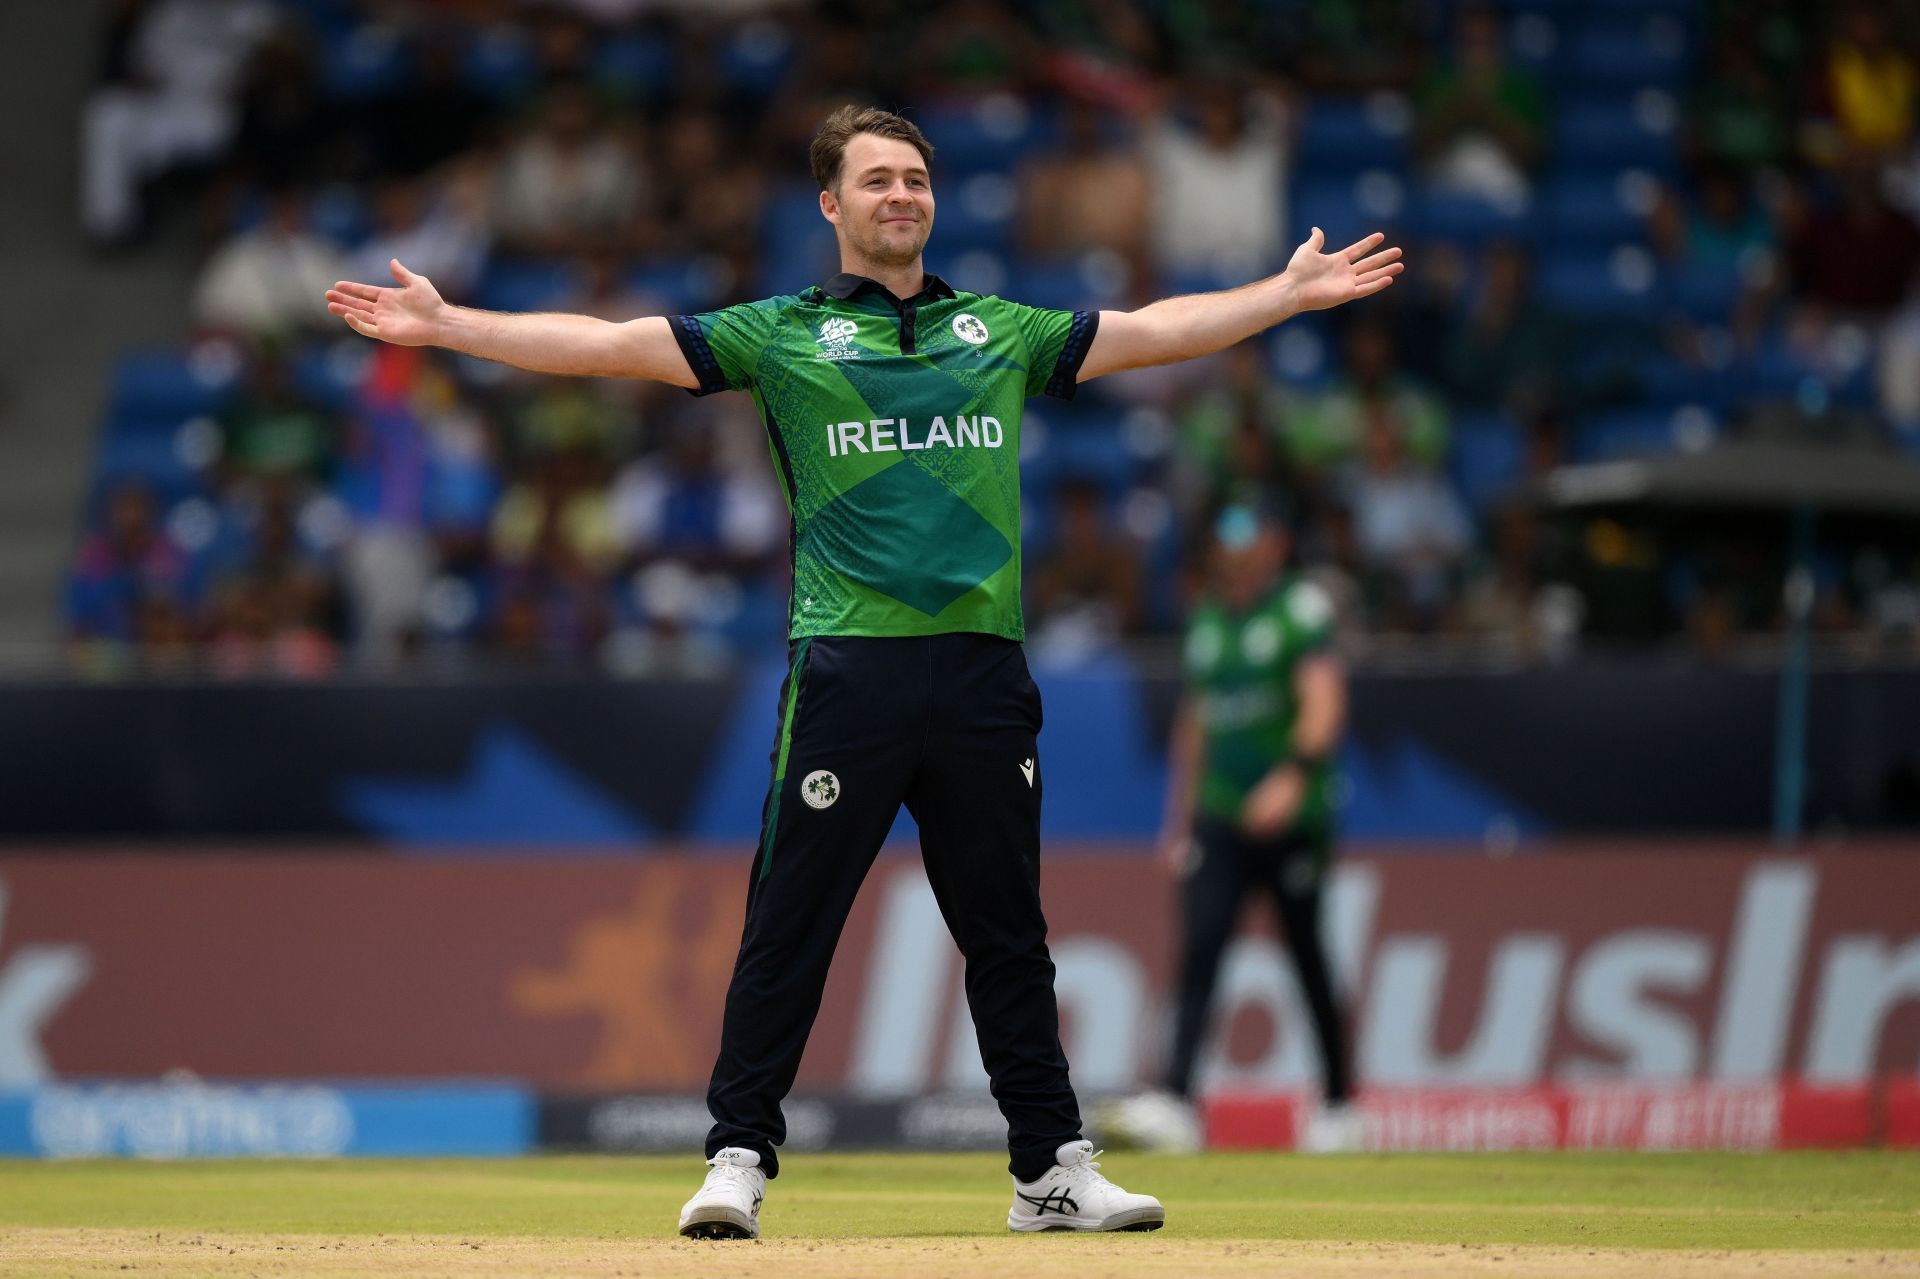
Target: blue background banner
[193,1119]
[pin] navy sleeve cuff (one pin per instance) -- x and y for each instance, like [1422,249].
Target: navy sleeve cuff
[1066,369]
[693,345]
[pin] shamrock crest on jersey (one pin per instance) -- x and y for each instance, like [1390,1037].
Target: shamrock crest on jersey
[970,328]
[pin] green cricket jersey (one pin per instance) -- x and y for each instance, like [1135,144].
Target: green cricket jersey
[895,429]
[1240,668]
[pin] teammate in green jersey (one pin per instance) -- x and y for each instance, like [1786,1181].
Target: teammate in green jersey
[1250,809]
[892,404]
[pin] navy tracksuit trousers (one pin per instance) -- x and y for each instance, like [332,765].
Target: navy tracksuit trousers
[947,725]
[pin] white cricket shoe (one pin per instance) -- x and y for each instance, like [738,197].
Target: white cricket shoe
[1335,1130]
[1074,1196]
[728,1205]
[1156,1120]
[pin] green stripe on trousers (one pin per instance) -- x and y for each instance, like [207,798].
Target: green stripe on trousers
[780,762]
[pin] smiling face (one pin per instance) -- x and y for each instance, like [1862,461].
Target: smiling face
[882,205]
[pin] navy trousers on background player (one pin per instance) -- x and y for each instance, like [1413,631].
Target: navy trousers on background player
[1292,870]
[947,725]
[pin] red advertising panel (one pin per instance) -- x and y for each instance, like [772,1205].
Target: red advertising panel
[1464,972]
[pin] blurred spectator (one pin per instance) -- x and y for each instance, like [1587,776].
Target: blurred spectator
[416,497]
[711,194]
[430,118]
[1090,192]
[1359,45]
[679,503]
[284,124]
[1504,350]
[1741,112]
[1868,91]
[568,181]
[126,564]
[1724,226]
[277,611]
[270,430]
[166,97]
[1232,433]
[1857,254]
[1511,599]
[1480,122]
[1217,165]
[1085,591]
[435,235]
[270,281]
[966,46]
[1409,529]
[1332,427]
[559,518]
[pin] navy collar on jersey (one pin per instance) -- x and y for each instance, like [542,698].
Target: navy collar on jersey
[848,285]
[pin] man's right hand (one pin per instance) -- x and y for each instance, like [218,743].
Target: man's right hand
[410,315]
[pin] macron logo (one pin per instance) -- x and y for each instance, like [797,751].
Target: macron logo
[1026,768]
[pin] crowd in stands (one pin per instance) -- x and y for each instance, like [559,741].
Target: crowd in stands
[1632,226]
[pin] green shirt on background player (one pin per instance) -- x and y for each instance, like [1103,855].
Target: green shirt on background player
[1242,667]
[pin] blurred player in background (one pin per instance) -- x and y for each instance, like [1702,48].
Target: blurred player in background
[1250,809]
[892,404]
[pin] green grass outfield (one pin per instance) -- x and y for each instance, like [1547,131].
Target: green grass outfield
[1829,1201]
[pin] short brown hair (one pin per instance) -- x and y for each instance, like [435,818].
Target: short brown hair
[829,147]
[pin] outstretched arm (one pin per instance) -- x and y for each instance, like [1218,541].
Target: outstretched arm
[1185,328]
[415,315]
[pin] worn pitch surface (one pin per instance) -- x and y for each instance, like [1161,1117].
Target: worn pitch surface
[932,1215]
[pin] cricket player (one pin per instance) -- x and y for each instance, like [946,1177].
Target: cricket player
[1250,809]
[892,404]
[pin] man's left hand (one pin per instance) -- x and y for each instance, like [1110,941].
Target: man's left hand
[1321,280]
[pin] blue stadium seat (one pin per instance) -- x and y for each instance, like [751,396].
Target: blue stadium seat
[985,134]
[1629,51]
[1611,132]
[1781,370]
[1344,136]
[501,63]
[366,62]
[635,65]
[978,213]
[1468,219]
[1062,283]
[1590,284]
[1487,454]
[166,382]
[1623,433]
[329,374]
[524,284]
[1582,208]
[1671,382]
[1706,291]
[1333,205]
[151,458]
[340,214]
[685,285]
[756,59]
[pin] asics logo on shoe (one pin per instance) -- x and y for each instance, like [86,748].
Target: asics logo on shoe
[1058,1200]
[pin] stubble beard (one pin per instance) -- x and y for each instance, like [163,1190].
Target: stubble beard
[879,249]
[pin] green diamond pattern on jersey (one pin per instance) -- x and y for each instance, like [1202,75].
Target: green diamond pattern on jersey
[905,535]
[894,425]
